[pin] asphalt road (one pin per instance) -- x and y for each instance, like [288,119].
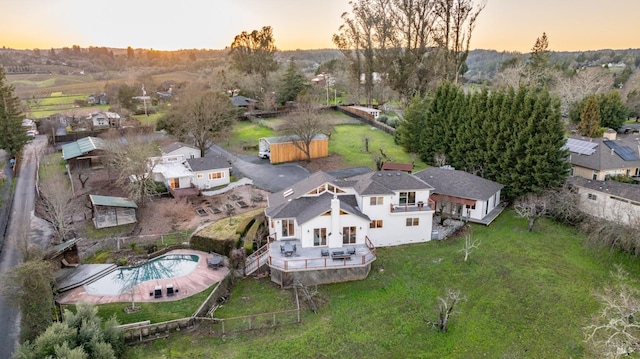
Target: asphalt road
[272,178]
[19,224]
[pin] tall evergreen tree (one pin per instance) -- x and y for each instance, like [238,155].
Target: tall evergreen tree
[292,84]
[613,111]
[590,118]
[13,137]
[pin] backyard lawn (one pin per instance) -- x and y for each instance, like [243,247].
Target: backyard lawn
[527,296]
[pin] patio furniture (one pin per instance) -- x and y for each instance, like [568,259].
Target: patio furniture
[340,255]
[215,262]
[324,252]
[170,291]
[351,250]
[157,291]
[288,249]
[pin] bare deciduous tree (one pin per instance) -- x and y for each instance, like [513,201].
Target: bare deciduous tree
[531,207]
[615,331]
[439,159]
[57,203]
[130,159]
[201,117]
[469,245]
[446,307]
[303,125]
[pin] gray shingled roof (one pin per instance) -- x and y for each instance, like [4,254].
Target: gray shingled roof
[242,101]
[387,182]
[623,190]
[176,145]
[604,158]
[304,209]
[296,205]
[458,183]
[207,163]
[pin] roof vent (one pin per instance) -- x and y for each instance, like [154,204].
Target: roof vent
[288,192]
[397,173]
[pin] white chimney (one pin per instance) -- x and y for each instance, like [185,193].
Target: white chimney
[335,237]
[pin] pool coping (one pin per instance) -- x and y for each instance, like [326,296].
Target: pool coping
[195,282]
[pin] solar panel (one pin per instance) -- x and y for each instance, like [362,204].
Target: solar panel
[625,152]
[581,147]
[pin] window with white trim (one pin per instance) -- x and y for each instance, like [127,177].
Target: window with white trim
[376,223]
[412,222]
[376,201]
[288,229]
[216,175]
[592,196]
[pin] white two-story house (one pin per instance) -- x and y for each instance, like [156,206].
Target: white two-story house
[331,226]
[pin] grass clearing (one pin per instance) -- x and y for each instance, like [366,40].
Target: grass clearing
[154,312]
[528,296]
[348,141]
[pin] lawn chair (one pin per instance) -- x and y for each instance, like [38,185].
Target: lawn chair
[170,291]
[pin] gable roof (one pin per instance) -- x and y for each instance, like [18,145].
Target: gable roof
[175,146]
[299,189]
[605,157]
[386,182]
[207,163]
[241,101]
[110,201]
[458,183]
[623,190]
[82,146]
[304,209]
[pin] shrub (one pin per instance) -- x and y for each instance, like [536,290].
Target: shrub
[383,118]
[243,227]
[393,122]
[252,234]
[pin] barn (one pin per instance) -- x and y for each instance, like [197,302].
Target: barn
[284,148]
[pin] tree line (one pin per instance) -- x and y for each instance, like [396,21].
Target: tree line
[511,136]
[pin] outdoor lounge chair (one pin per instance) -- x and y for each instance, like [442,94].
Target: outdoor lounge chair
[157,291]
[351,251]
[170,291]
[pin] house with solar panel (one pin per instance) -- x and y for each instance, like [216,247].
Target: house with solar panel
[601,158]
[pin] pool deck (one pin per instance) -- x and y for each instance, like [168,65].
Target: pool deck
[198,280]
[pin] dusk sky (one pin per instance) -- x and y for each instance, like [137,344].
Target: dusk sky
[511,25]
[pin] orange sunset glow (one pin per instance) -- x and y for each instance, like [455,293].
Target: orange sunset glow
[511,25]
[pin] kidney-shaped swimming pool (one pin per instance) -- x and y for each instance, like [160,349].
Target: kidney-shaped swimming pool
[123,278]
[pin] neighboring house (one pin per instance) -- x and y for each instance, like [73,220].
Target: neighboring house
[326,217]
[287,148]
[112,211]
[85,152]
[209,172]
[462,195]
[180,148]
[98,99]
[186,177]
[614,201]
[599,158]
[365,112]
[245,102]
[99,120]
[165,95]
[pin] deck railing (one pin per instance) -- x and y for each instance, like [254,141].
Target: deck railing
[256,259]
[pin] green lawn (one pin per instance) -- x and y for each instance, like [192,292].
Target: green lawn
[528,295]
[155,312]
[349,142]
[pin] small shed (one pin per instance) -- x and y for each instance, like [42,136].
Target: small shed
[64,254]
[284,148]
[84,152]
[112,211]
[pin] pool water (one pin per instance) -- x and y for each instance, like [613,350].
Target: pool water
[164,267]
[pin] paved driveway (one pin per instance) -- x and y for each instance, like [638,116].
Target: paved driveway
[272,178]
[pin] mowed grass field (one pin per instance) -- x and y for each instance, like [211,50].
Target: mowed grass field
[528,294]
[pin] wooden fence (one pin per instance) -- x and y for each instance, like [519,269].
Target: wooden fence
[367,118]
